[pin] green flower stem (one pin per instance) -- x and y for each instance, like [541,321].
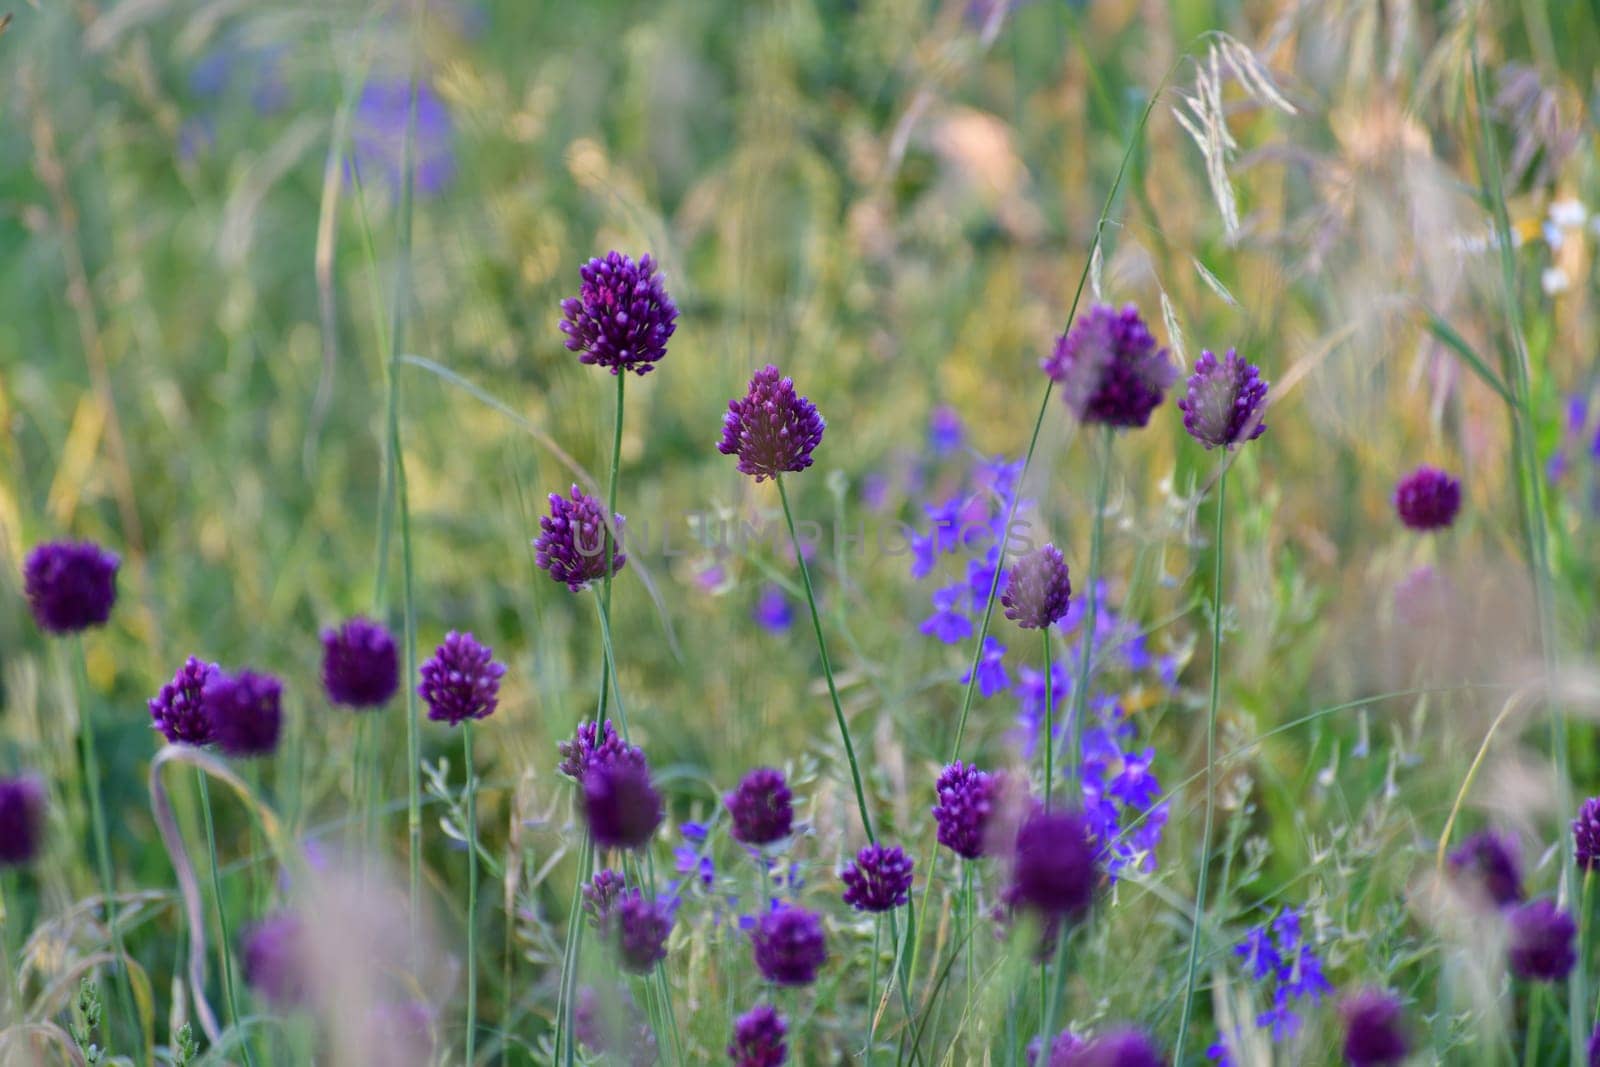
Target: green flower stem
[606,667]
[872,989]
[572,954]
[472,889]
[1211,759]
[1053,999]
[1049,724]
[225,940]
[1080,684]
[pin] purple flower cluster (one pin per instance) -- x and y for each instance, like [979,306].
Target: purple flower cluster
[1374,1029]
[461,681]
[760,1038]
[967,800]
[1121,794]
[360,664]
[71,585]
[879,879]
[1120,1047]
[574,544]
[1054,870]
[642,928]
[245,712]
[1225,401]
[622,316]
[1039,590]
[383,125]
[789,945]
[1278,957]
[1586,834]
[1427,499]
[593,742]
[620,801]
[600,894]
[21,820]
[1109,368]
[771,429]
[1487,864]
[179,709]
[762,807]
[274,959]
[1542,947]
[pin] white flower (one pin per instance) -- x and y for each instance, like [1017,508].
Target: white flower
[1554,280]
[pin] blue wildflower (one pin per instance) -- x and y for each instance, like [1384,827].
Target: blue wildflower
[772,611]
[945,433]
[992,676]
[947,623]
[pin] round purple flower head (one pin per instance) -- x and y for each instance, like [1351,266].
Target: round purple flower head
[21,820]
[1374,1029]
[1123,1047]
[878,880]
[1488,862]
[1427,499]
[593,742]
[966,801]
[642,929]
[179,710]
[762,807]
[620,802]
[1054,871]
[360,664]
[71,585]
[1586,834]
[573,542]
[1541,948]
[1038,590]
[600,894]
[1109,368]
[789,946]
[759,1038]
[770,428]
[1065,1045]
[461,681]
[245,711]
[273,959]
[622,316]
[1225,401]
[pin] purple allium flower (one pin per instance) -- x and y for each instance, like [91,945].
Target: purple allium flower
[1054,870]
[992,676]
[378,134]
[1541,947]
[1374,1029]
[600,894]
[620,802]
[1064,1046]
[772,611]
[622,316]
[71,585]
[789,946]
[1039,591]
[274,959]
[1109,368]
[21,819]
[1225,401]
[759,1038]
[1427,499]
[642,930]
[878,880]
[762,807]
[592,743]
[1488,862]
[967,799]
[1586,834]
[245,711]
[360,664]
[461,681]
[179,710]
[771,428]
[1121,1047]
[573,541]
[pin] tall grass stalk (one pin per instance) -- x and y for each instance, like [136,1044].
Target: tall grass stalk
[469,766]
[225,936]
[1211,762]
[1080,683]
[1049,724]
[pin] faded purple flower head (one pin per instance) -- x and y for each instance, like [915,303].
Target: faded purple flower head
[1120,1047]
[274,959]
[1065,1045]
[1374,1029]
[642,929]
[878,880]
[1586,834]
[945,432]
[1109,368]
[245,711]
[1541,947]
[1040,589]
[461,681]
[771,428]
[772,611]
[789,945]
[622,316]
[400,1033]
[1488,862]
[179,709]
[1054,870]
[1427,499]
[1423,598]
[613,1028]
[619,800]
[1225,401]
[759,1038]
[379,131]
[600,894]
[71,585]
[593,742]
[360,664]
[967,798]
[573,542]
[762,807]
[21,819]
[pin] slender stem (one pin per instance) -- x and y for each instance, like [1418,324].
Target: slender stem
[610,658]
[572,954]
[1211,757]
[472,889]
[225,940]
[1091,601]
[872,989]
[1048,1016]
[1530,1039]
[606,667]
[1049,724]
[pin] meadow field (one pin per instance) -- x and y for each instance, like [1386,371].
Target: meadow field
[799,531]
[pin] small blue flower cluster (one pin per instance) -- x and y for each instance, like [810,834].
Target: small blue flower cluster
[1278,956]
